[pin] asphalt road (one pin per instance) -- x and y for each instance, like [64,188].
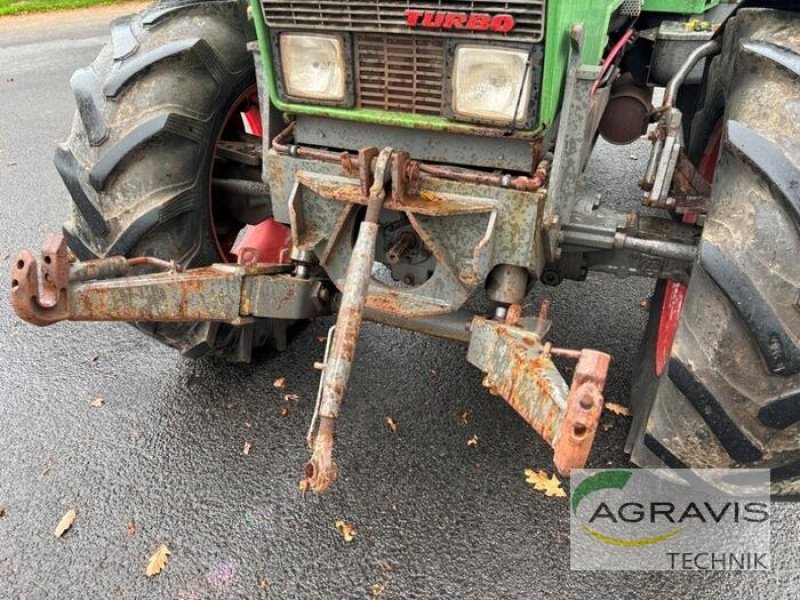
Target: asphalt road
[435,518]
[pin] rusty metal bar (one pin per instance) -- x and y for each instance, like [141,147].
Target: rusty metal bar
[352,164]
[103,290]
[519,368]
[321,468]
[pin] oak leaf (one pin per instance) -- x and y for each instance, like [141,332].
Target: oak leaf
[158,561]
[391,424]
[279,383]
[473,441]
[291,398]
[618,409]
[541,481]
[2,511]
[246,449]
[284,411]
[131,528]
[65,523]
[464,417]
[97,402]
[347,529]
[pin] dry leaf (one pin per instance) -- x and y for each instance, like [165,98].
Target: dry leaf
[2,511]
[304,485]
[246,425]
[347,529]
[65,523]
[291,398]
[473,441]
[158,561]
[322,339]
[607,426]
[45,471]
[246,449]
[284,411]
[541,481]
[434,372]
[464,418]
[391,423]
[279,383]
[97,402]
[263,585]
[378,589]
[95,357]
[131,528]
[617,409]
[384,565]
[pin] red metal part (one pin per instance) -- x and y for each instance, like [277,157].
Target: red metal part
[252,121]
[674,296]
[675,292]
[584,405]
[45,302]
[268,242]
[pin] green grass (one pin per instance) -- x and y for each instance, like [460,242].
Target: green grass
[16,7]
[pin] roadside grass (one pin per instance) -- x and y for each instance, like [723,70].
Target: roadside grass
[16,7]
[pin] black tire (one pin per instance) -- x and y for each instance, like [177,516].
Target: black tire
[138,160]
[730,396]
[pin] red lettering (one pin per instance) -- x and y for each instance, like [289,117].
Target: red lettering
[479,22]
[412,17]
[455,20]
[503,23]
[432,20]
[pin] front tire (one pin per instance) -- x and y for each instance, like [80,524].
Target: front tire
[139,159]
[730,393]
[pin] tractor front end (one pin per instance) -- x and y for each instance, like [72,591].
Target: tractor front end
[387,161]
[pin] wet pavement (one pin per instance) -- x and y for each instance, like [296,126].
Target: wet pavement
[434,517]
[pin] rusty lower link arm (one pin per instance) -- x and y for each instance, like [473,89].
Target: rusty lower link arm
[321,469]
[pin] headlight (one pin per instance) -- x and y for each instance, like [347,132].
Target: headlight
[490,84]
[313,66]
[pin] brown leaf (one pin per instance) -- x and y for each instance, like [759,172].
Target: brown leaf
[246,449]
[473,441]
[322,339]
[279,383]
[347,529]
[291,398]
[303,486]
[97,402]
[378,589]
[158,561]
[246,425]
[464,417]
[541,481]
[95,357]
[65,523]
[2,511]
[434,372]
[45,471]
[263,585]
[390,422]
[131,528]
[284,411]
[617,409]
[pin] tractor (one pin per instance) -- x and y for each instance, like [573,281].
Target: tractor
[239,167]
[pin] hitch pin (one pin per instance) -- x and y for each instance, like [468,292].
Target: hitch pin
[320,470]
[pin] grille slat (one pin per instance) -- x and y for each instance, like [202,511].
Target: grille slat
[403,73]
[389,17]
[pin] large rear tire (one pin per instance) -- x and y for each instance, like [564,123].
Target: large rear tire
[138,162]
[729,395]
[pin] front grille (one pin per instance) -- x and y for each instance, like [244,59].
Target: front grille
[399,73]
[374,16]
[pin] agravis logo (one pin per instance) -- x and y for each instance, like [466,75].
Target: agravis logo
[672,520]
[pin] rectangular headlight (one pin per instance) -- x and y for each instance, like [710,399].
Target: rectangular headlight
[491,84]
[313,66]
